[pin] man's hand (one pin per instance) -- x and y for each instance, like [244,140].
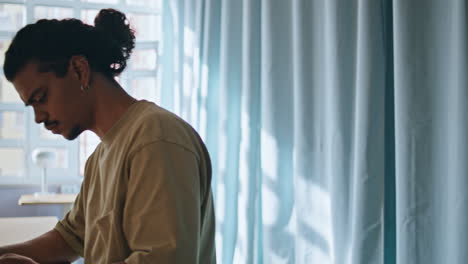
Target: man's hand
[11,258]
[47,248]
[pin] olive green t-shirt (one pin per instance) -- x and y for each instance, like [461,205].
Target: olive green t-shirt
[146,195]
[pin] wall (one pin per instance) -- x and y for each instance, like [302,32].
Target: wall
[9,207]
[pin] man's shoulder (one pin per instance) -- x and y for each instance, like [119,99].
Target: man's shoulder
[154,123]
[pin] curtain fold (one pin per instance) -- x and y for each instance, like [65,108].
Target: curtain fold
[337,129]
[431,106]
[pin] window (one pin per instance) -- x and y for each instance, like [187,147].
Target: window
[19,134]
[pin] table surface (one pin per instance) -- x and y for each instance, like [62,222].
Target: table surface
[59,198]
[20,229]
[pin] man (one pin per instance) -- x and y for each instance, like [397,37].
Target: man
[146,195]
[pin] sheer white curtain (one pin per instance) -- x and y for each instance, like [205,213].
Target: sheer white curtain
[337,129]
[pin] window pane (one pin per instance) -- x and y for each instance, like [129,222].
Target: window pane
[11,125]
[143,59]
[88,143]
[62,158]
[12,17]
[11,162]
[4,44]
[52,12]
[88,15]
[145,88]
[8,93]
[150,3]
[146,26]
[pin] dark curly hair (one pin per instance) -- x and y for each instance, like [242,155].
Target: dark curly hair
[51,42]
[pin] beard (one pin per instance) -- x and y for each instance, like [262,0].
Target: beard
[74,133]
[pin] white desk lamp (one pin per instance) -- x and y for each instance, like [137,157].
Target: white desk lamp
[44,158]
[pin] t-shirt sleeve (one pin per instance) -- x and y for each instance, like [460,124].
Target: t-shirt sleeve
[72,226]
[162,209]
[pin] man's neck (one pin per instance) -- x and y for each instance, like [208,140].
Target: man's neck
[111,104]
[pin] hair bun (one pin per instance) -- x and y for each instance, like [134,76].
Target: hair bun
[115,26]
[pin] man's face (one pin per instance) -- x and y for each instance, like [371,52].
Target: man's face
[57,102]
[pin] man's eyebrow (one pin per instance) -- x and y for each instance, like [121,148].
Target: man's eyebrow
[31,98]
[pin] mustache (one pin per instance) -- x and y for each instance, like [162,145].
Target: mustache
[50,123]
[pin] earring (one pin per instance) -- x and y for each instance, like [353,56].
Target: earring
[84,88]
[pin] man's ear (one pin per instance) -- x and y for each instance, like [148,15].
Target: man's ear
[79,66]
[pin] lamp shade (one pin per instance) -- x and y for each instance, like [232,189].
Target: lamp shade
[44,157]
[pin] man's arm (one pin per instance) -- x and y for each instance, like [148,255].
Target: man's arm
[47,248]
[162,207]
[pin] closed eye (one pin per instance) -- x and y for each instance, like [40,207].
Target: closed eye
[40,99]
[37,96]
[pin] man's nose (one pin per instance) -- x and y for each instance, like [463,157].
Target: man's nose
[39,115]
